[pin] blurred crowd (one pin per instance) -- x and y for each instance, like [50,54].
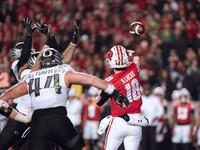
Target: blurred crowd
[169,49]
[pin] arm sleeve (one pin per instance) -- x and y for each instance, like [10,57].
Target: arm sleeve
[26,50]
[53,43]
[104,98]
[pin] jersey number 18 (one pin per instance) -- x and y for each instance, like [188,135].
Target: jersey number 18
[133,90]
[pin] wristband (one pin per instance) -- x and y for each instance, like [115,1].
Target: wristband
[110,89]
[73,44]
[135,54]
[6,112]
[104,97]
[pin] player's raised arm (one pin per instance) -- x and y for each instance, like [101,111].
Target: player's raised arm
[37,66]
[27,45]
[136,58]
[69,51]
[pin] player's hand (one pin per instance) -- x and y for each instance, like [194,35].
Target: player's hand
[75,33]
[48,35]
[27,22]
[130,53]
[120,99]
[3,104]
[49,30]
[42,27]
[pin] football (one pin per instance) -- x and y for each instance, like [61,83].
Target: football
[136,28]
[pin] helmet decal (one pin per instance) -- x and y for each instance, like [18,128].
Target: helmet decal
[110,54]
[118,57]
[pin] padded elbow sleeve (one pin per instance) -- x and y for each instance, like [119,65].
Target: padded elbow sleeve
[104,98]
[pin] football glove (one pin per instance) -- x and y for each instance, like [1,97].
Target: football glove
[48,35]
[75,33]
[27,22]
[120,99]
[42,27]
[4,108]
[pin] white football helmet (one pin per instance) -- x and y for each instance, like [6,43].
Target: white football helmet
[118,57]
[17,49]
[184,95]
[159,90]
[175,95]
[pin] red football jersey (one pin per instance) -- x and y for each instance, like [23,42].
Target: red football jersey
[126,82]
[183,112]
[93,111]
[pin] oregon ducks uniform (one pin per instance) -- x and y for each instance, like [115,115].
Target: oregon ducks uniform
[15,133]
[49,124]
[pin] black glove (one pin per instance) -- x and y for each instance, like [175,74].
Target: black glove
[27,22]
[48,35]
[42,27]
[75,33]
[120,99]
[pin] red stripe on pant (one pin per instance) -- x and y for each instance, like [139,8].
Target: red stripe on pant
[108,132]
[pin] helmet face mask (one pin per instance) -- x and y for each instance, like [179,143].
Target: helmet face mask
[17,49]
[49,58]
[118,57]
[32,59]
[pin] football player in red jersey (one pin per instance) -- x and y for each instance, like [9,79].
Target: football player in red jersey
[91,119]
[183,117]
[163,126]
[124,123]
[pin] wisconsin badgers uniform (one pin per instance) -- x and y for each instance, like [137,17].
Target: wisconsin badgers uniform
[49,123]
[92,120]
[161,128]
[127,83]
[182,128]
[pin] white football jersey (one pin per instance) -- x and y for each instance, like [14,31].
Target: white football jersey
[23,102]
[15,69]
[47,87]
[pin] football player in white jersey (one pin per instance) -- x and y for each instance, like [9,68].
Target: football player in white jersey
[20,54]
[14,133]
[48,89]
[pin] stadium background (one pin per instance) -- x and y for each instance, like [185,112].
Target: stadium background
[169,49]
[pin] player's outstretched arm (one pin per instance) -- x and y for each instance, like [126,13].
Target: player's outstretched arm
[37,66]
[86,79]
[15,91]
[26,49]
[136,58]
[69,51]
[51,40]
